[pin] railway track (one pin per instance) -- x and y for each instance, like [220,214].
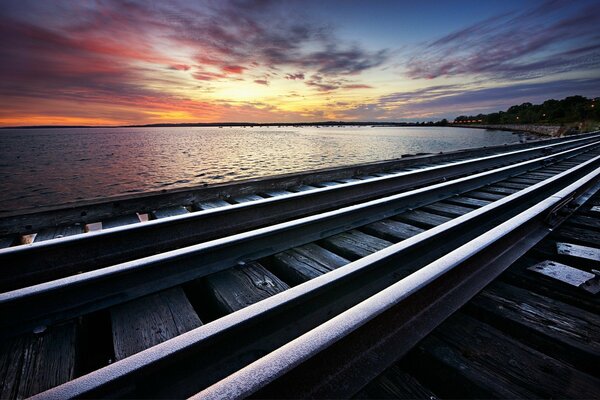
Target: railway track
[307,278]
[532,333]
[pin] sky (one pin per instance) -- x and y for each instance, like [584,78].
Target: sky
[115,62]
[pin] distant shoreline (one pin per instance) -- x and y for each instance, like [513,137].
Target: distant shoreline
[238,124]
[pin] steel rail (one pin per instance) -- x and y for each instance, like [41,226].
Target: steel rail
[197,359]
[37,262]
[87,211]
[76,295]
[336,359]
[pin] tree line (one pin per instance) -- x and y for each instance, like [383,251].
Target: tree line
[552,112]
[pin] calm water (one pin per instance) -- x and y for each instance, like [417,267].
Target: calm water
[52,166]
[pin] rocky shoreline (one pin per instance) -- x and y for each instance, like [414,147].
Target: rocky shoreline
[538,130]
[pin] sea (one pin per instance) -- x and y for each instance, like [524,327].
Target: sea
[52,166]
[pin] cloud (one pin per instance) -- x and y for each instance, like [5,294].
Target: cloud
[324,84]
[357,86]
[231,33]
[233,69]
[208,76]
[180,67]
[296,76]
[115,52]
[449,101]
[552,38]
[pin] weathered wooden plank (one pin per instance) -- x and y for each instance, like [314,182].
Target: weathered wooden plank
[494,360]
[447,209]
[500,190]
[520,276]
[246,198]
[32,363]
[422,218]
[447,371]
[393,231]
[354,244]
[148,321]
[477,194]
[548,325]
[394,383]
[575,250]
[537,175]
[574,234]
[585,222]
[119,221]
[207,205]
[569,163]
[524,181]
[61,231]
[35,362]
[306,262]
[512,185]
[468,201]
[241,286]
[169,212]
[556,169]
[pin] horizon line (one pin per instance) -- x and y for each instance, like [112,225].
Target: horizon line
[208,124]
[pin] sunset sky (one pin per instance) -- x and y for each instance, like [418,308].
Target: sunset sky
[128,62]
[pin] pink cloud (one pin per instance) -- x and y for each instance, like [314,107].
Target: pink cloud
[180,67]
[233,69]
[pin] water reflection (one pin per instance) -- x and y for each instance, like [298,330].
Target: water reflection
[52,166]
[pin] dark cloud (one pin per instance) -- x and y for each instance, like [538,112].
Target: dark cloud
[262,82]
[449,101]
[325,84]
[421,94]
[552,38]
[232,34]
[296,76]
[108,48]
[357,86]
